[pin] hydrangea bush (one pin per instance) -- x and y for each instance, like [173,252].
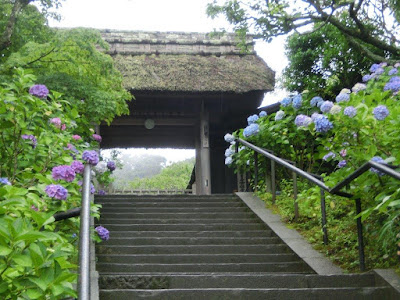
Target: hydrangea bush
[334,137]
[42,142]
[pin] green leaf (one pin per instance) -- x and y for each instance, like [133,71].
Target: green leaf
[3,287]
[4,250]
[36,235]
[23,260]
[34,293]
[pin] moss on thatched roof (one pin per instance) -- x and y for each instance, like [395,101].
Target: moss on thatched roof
[194,73]
[187,62]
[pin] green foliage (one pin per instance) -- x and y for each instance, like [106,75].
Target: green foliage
[323,62]
[37,256]
[173,177]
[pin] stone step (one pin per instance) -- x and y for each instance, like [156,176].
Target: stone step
[192,233]
[193,241]
[370,293]
[196,258]
[283,267]
[171,215]
[184,227]
[194,249]
[165,198]
[113,220]
[173,209]
[171,204]
[258,280]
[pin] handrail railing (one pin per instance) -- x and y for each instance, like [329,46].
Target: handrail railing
[84,238]
[317,180]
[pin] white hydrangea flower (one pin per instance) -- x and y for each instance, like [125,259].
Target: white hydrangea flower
[101,167]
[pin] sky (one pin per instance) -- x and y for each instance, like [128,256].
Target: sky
[162,15]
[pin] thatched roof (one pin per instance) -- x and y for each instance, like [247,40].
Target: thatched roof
[187,62]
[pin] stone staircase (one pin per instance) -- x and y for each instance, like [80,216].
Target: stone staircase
[207,247]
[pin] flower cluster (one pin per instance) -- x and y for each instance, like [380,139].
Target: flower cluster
[97,138]
[111,165]
[103,233]
[328,156]
[91,157]
[297,101]
[229,152]
[4,181]
[322,124]
[101,167]
[279,115]
[262,114]
[326,106]
[66,173]
[316,100]
[76,137]
[379,160]
[380,112]
[350,111]
[101,192]
[250,130]
[393,85]
[342,97]
[358,87]
[228,160]
[56,191]
[77,166]
[56,122]
[335,109]
[302,121]
[92,189]
[252,119]
[229,138]
[39,90]
[342,164]
[286,102]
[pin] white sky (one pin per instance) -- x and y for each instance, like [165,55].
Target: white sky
[162,15]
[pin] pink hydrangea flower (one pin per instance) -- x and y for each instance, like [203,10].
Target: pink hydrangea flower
[97,137]
[63,127]
[56,122]
[76,137]
[77,166]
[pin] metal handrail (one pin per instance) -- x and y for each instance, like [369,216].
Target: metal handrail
[84,238]
[317,180]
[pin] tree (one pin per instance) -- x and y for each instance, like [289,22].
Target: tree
[369,26]
[73,61]
[322,62]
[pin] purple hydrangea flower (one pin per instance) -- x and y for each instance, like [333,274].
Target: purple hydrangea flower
[380,112]
[393,84]
[342,97]
[103,233]
[262,114]
[322,124]
[326,106]
[302,121]
[101,192]
[379,71]
[314,101]
[77,166]
[30,137]
[56,122]
[39,90]
[367,78]
[97,137]
[350,111]
[343,152]
[379,160]
[286,102]
[329,155]
[229,152]
[229,138]
[111,165]
[297,101]
[92,189]
[392,72]
[33,207]
[342,164]
[228,160]
[279,115]
[374,67]
[66,173]
[56,191]
[252,119]
[250,130]
[4,181]
[91,157]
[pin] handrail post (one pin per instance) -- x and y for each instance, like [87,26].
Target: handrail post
[296,205]
[255,171]
[323,217]
[273,182]
[360,236]
[84,239]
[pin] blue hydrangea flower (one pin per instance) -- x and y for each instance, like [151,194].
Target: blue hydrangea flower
[367,78]
[342,164]
[262,114]
[250,130]
[302,121]
[314,101]
[392,72]
[297,100]
[379,71]
[350,111]
[322,124]
[229,138]
[279,115]
[314,116]
[326,106]
[380,160]
[393,84]
[374,67]
[4,181]
[228,160]
[328,156]
[252,119]
[286,102]
[380,112]
[229,152]
[342,97]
